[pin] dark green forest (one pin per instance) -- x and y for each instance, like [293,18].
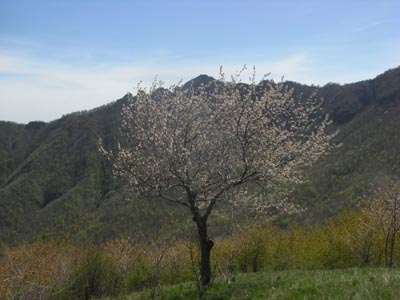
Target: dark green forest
[54,181]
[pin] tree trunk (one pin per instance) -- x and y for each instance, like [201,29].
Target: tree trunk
[205,249]
[392,242]
[387,249]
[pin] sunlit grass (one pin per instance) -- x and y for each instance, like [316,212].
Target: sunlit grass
[363,284]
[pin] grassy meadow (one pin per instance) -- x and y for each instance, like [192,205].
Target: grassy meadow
[356,283]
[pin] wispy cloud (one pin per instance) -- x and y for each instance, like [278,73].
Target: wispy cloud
[370,26]
[41,89]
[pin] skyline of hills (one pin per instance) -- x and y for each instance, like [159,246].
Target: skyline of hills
[53,179]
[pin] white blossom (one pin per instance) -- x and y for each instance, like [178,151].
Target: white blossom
[194,145]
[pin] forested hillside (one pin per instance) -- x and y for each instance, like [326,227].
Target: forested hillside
[54,180]
[367,117]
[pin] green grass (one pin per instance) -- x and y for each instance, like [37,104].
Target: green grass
[363,284]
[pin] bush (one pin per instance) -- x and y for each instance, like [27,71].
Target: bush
[96,276]
[137,279]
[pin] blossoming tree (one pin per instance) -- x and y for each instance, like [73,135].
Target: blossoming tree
[383,211]
[193,145]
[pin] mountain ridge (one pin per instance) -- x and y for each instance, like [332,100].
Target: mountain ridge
[52,176]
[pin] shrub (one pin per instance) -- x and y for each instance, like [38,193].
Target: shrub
[36,270]
[96,276]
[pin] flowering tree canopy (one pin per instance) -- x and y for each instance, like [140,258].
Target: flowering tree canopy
[192,145]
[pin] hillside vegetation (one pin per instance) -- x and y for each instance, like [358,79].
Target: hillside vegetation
[62,269]
[53,178]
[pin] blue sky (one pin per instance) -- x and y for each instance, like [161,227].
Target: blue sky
[61,56]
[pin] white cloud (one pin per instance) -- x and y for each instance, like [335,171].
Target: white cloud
[9,63]
[39,89]
[33,89]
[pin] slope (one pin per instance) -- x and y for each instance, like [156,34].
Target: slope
[54,181]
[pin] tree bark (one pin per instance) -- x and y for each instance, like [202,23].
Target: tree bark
[205,250]
[392,242]
[387,249]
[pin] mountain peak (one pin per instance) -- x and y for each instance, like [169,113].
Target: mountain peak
[202,79]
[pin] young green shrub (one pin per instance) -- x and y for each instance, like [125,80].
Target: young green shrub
[136,279]
[96,276]
[341,233]
[251,247]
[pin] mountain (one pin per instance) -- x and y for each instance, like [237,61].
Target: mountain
[367,116]
[48,167]
[53,180]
